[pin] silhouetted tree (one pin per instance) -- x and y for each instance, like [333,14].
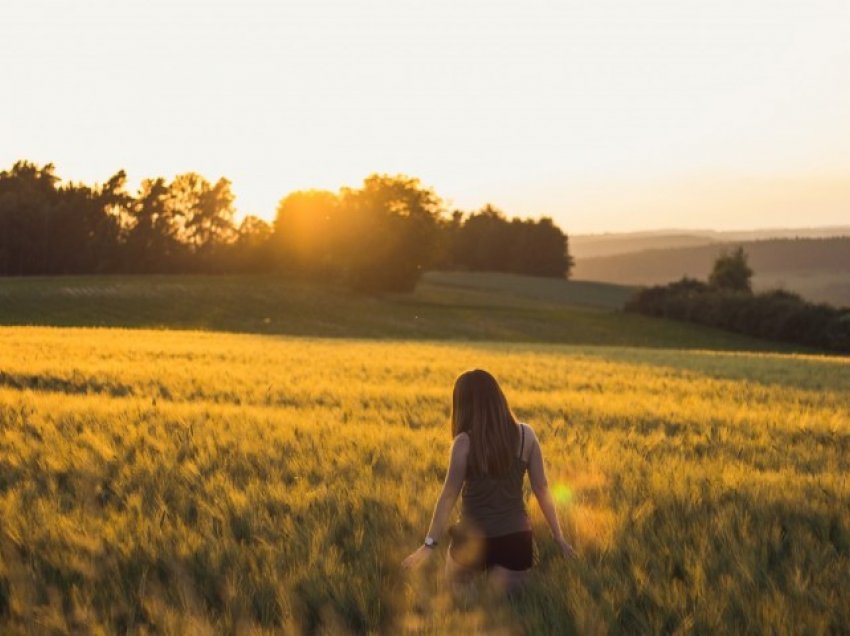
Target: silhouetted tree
[486,240]
[252,249]
[49,228]
[28,196]
[731,272]
[483,242]
[445,256]
[106,209]
[153,241]
[378,237]
[206,212]
[539,248]
[390,228]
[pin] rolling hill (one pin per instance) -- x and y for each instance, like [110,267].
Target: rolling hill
[584,246]
[445,305]
[816,268]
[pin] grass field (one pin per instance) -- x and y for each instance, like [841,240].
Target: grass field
[445,306]
[191,482]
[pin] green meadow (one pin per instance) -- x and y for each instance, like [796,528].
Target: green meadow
[445,306]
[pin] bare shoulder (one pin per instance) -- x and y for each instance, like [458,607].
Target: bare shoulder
[529,432]
[458,459]
[461,442]
[530,440]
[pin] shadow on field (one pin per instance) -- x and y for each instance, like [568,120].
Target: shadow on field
[78,384]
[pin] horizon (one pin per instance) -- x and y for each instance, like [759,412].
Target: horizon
[132,187]
[708,230]
[607,118]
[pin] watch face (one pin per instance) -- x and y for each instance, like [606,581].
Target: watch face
[429,541]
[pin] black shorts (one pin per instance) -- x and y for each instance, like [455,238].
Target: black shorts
[513,551]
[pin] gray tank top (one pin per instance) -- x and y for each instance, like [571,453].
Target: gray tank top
[494,506]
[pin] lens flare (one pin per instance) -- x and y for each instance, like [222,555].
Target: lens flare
[562,494]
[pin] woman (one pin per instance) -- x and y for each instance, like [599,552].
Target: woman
[490,454]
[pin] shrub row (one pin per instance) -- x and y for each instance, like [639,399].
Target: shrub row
[775,315]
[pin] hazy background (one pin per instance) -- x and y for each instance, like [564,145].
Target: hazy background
[607,116]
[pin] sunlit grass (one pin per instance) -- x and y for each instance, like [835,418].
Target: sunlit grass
[186,481]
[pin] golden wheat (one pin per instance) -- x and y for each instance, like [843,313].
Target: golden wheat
[155,481]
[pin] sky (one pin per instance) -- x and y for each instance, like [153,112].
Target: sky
[607,115]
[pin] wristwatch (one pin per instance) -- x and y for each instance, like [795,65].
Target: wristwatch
[430,542]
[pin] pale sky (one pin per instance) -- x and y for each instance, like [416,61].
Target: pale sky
[607,115]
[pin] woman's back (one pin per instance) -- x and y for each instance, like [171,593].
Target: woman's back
[494,505]
[487,466]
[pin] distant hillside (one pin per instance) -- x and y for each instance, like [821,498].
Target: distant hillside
[818,269]
[593,245]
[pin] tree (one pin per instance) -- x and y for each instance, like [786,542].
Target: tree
[378,237]
[212,225]
[448,240]
[732,272]
[483,242]
[206,211]
[52,228]
[390,229]
[487,241]
[251,251]
[153,241]
[539,248]
[28,196]
[107,219]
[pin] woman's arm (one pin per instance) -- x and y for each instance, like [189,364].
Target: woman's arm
[540,487]
[446,500]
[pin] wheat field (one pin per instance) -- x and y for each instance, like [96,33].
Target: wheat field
[194,482]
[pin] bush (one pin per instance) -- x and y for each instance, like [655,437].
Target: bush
[775,315]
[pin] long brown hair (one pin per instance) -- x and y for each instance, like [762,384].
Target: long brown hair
[480,409]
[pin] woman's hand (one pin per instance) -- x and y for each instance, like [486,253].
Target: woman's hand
[566,548]
[417,558]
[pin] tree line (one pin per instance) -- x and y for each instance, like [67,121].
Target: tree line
[378,237]
[726,301]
